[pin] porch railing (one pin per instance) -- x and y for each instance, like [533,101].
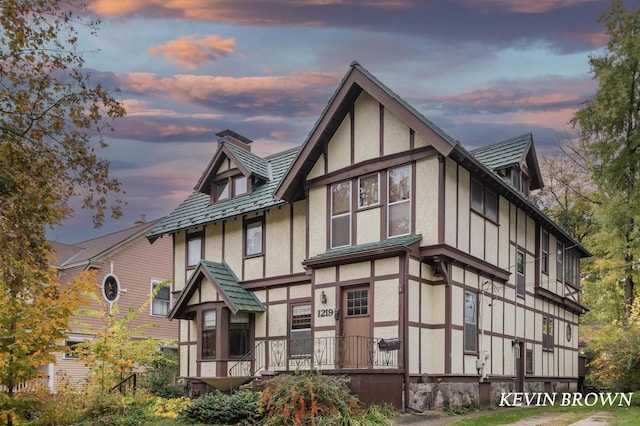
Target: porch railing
[127,385]
[329,353]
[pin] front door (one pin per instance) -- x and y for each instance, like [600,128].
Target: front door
[355,344]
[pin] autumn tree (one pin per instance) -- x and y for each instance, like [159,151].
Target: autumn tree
[608,130]
[52,115]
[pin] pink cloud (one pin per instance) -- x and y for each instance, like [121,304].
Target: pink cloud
[243,92]
[229,11]
[191,52]
[520,6]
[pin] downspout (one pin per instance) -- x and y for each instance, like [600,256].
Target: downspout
[405,331]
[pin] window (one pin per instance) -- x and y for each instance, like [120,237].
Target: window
[194,249]
[300,330]
[483,200]
[545,252]
[230,187]
[399,207]
[572,268]
[222,190]
[209,334]
[239,185]
[520,276]
[560,261]
[547,333]
[529,361]
[568,332]
[470,322]
[162,299]
[253,237]
[369,190]
[341,214]
[71,349]
[239,334]
[357,302]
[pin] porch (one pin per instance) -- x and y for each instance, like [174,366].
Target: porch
[334,354]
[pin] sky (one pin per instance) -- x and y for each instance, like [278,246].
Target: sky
[481,70]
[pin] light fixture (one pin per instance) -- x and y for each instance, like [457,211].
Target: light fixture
[323,298]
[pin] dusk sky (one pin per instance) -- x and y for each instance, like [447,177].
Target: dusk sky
[482,70]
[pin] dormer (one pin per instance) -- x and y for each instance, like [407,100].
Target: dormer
[515,160]
[233,171]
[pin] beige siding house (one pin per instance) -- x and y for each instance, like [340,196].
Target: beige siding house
[127,269]
[382,249]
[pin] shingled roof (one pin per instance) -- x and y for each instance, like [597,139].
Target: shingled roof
[222,277]
[197,209]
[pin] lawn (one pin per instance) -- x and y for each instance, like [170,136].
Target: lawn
[555,415]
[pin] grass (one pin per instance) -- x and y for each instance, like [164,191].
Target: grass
[554,415]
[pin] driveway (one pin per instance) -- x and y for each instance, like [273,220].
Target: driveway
[438,418]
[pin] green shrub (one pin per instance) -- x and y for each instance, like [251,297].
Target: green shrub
[306,398]
[216,407]
[160,376]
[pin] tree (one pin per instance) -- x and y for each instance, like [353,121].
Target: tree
[608,126]
[50,111]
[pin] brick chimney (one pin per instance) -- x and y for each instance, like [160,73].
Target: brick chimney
[232,137]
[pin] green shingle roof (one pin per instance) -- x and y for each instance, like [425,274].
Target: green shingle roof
[504,154]
[238,299]
[197,209]
[257,166]
[377,245]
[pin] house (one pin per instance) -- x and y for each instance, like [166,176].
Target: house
[128,269]
[382,249]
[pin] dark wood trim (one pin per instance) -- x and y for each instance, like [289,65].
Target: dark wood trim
[412,139]
[365,255]
[381,130]
[291,239]
[372,165]
[442,176]
[565,303]
[457,256]
[260,283]
[352,133]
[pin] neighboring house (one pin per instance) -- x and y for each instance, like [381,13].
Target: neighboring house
[127,270]
[382,249]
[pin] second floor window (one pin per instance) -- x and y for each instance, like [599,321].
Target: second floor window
[520,275]
[544,261]
[560,261]
[253,237]
[162,300]
[194,249]
[369,190]
[341,214]
[483,200]
[399,201]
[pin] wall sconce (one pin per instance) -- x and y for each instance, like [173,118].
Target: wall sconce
[323,298]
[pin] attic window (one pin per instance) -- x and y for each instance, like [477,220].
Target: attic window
[229,187]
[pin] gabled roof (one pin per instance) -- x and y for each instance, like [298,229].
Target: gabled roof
[236,297]
[197,209]
[248,163]
[354,82]
[97,249]
[512,152]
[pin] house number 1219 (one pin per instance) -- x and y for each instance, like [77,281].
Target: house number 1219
[325,313]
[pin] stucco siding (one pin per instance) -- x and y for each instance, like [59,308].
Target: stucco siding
[339,149]
[278,241]
[426,206]
[396,134]
[366,128]
[386,301]
[317,221]
[367,221]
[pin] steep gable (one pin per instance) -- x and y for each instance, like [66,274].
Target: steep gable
[357,80]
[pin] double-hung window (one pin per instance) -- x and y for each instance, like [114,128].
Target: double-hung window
[209,322]
[545,252]
[520,272]
[560,261]
[194,249]
[161,299]
[230,187]
[300,330]
[483,200]
[341,214]
[253,232]
[399,201]
[470,322]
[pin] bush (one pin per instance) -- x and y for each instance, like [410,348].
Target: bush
[159,377]
[169,408]
[306,398]
[216,407]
